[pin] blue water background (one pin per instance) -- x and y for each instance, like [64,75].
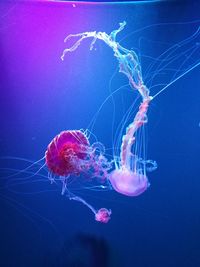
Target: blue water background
[41,96]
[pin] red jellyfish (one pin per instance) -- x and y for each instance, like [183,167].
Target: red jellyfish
[66,152]
[70,153]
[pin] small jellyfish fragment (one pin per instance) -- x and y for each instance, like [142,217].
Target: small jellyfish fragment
[103,215]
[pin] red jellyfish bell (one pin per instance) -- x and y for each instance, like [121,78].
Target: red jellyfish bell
[66,151]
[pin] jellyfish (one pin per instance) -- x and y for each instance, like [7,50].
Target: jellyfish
[66,153]
[128,176]
[70,154]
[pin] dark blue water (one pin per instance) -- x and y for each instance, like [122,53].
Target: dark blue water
[42,96]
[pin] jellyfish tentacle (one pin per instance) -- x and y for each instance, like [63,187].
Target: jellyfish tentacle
[128,139]
[101,215]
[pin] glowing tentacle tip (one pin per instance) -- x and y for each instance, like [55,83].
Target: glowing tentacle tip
[103,215]
[128,183]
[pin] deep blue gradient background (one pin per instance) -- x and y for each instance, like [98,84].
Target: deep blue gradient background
[41,96]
